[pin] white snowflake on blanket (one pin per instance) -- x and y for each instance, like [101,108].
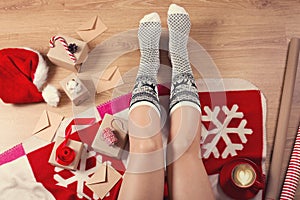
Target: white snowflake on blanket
[210,138]
[80,176]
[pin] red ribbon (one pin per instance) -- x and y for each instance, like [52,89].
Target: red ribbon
[64,154]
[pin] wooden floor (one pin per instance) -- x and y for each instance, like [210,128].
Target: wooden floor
[247,39]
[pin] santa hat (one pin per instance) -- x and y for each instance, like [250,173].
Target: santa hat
[23,73]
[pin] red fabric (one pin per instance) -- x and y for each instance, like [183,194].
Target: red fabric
[249,103]
[17,68]
[45,172]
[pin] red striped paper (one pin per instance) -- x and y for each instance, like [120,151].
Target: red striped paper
[293,173]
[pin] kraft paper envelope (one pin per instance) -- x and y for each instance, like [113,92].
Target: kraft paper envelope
[108,79]
[104,179]
[99,176]
[91,29]
[47,125]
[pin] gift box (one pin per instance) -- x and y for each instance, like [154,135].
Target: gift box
[118,128]
[75,89]
[74,145]
[59,55]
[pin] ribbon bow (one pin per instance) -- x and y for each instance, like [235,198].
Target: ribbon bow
[64,154]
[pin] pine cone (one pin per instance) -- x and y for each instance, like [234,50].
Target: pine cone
[72,48]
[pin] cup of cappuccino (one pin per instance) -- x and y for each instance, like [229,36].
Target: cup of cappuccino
[243,175]
[241,178]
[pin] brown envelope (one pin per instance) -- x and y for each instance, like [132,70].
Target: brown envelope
[47,125]
[91,29]
[108,79]
[99,176]
[104,179]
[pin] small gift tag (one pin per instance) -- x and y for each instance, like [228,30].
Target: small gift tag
[66,155]
[111,137]
[75,89]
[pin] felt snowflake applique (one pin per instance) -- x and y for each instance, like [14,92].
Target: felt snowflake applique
[222,130]
[81,175]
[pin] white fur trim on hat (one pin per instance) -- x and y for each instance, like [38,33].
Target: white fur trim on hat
[41,72]
[51,95]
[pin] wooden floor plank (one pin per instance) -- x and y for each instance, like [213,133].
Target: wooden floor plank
[246,39]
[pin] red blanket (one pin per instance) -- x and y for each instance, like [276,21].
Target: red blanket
[233,127]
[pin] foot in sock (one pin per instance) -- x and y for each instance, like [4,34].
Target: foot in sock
[183,88]
[145,89]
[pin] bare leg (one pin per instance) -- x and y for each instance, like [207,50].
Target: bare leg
[186,173]
[187,176]
[144,176]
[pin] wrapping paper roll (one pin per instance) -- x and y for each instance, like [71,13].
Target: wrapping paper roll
[273,186]
[292,177]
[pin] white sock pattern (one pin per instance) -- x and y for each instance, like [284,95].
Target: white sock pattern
[183,86]
[145,88]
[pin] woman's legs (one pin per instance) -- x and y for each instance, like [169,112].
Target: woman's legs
[144,177]
[187,177]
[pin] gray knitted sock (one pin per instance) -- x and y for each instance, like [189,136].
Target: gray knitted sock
[183,88]
[145,89]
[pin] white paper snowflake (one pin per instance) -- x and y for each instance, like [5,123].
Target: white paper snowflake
[80,176]
[210,138]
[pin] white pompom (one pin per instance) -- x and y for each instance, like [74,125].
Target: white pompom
[51,95]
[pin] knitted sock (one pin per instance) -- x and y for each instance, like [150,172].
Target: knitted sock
[183,88]
[145,89]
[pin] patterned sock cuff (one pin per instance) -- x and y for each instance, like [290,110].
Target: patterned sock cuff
[184,89]
[145,89]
